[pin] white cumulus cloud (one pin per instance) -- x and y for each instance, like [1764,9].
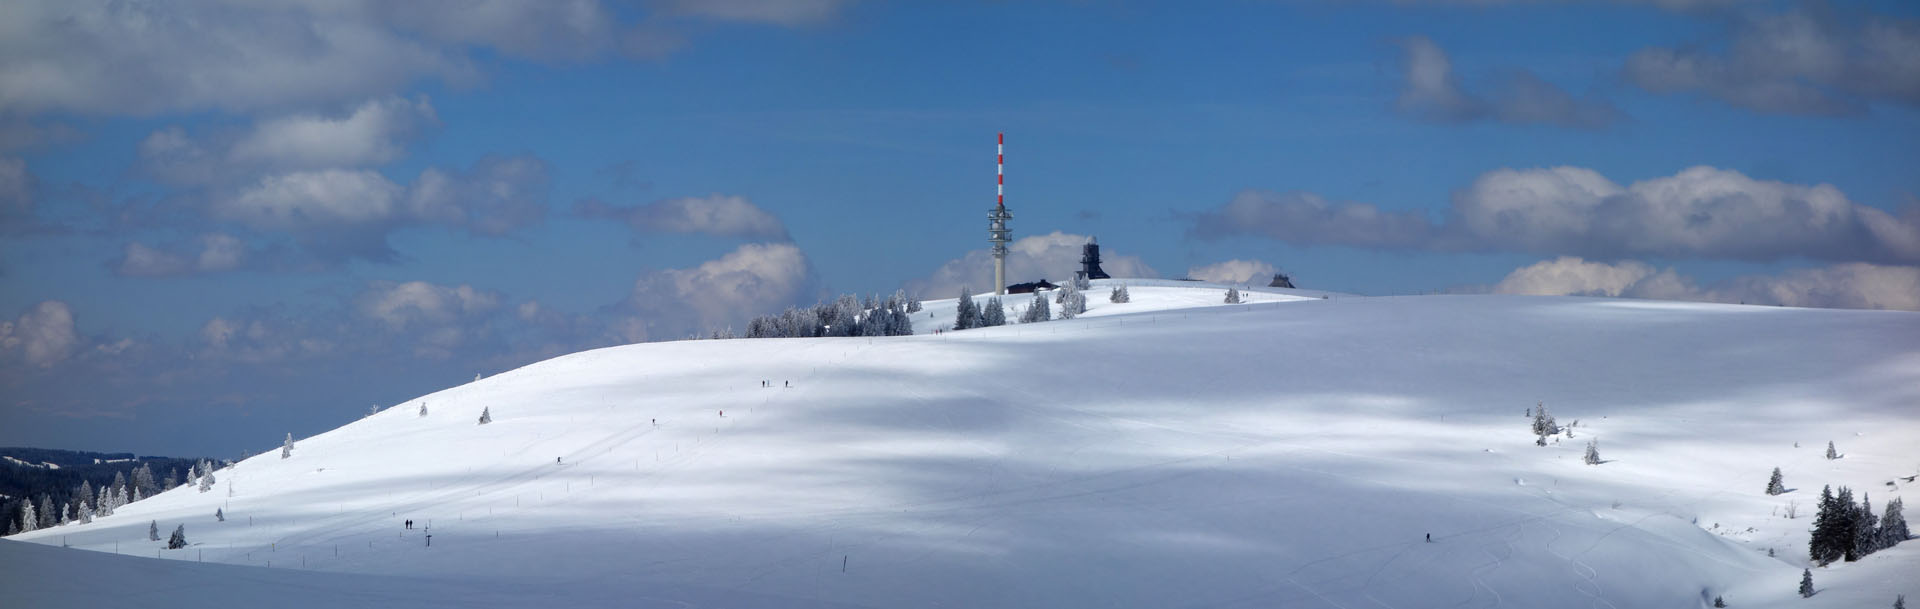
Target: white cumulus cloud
[210,253]
[1701,212]
[753,279]
[1797,62]
[1431,91]
[718,215]
[43,336]
[1847,286]
[374,133]
[1233,271]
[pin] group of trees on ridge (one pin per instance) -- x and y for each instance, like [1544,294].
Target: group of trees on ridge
[844,316]
[79,485]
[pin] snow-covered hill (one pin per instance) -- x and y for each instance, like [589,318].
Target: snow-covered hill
[1169,452]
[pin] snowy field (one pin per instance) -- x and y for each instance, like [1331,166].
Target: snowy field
[1169,452]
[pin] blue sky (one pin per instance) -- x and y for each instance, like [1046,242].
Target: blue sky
[223,222]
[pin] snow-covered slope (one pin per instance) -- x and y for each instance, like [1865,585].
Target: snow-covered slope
[1169,452]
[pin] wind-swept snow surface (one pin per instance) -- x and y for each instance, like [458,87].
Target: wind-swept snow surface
[1173,451]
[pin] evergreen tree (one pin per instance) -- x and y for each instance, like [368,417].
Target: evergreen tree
[1774,485]
[1072,301]
[178,539]
[173,478]
[1831,455]
[994,314]
[1866,533]
[1037,311]
[28,520]
[1849,517]
[1719,602]
[1233,295]
[126,494]
[143,481]
[1824,545]
[86,513]
[207,480]
[286,448]
[1119,294]
[47,516]
[902,324]
[423,409]
[1543,423]
[1806,583]
[486,416]
[220,514]
[967,314]
[1899,601]
[1893,525]
[153,530]
[1593,452]
[86,493]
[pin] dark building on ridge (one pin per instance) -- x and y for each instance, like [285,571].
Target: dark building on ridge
[1090,261]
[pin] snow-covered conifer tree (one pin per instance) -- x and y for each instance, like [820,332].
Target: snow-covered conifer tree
[178,539]
[1719,602]
[486,416]
[153,530]
[1593,452]
[423,409]
[1823,546]
[1072,301]
[1233,295]
[48,517]
[286,448]
[86,513]
[28,520]
[207,479]
[1830,452]
[1543,423]
[966,313]
[1849,516]
[994,314]
[1774,485]
[1119,294]
[1893,524]
[86,493]
[143,481]
[1899,601]
[1806,583]
[220,514]
[1038,310]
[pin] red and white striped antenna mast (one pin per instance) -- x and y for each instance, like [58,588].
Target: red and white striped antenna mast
[997,232]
